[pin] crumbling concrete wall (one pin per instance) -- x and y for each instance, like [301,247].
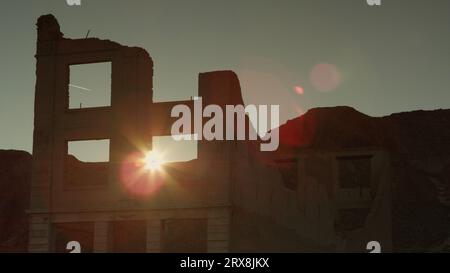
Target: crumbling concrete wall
[129,123]
[245,203]
[307,218]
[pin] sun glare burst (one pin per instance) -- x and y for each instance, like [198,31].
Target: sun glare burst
[153,161]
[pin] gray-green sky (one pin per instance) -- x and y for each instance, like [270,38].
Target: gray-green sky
[391,58]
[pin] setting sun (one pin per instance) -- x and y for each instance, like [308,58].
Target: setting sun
[153,161]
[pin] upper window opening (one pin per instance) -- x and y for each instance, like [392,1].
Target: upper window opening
[90,85]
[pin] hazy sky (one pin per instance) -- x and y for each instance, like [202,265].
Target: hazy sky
[299,54]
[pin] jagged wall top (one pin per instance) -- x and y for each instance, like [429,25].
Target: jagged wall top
[48,28]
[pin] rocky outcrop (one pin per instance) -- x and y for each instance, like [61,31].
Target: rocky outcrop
[15,178]
[419,146]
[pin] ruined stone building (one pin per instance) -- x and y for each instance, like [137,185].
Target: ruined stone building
[231,198]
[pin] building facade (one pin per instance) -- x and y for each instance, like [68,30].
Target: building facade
[225,200]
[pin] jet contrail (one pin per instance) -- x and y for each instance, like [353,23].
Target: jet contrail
[79,87]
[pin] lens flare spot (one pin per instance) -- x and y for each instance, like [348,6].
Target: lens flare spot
[153,161]
[299,90]
[325,77]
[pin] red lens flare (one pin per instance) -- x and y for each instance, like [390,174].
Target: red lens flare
[299,90]
[325,77]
